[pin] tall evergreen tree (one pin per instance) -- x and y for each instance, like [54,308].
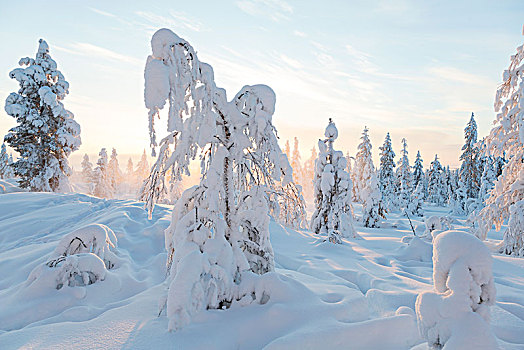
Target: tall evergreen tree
[436,192]
[87,169]
[130,168]
[142,168]
[113,170]
[102,183]
[418,171]
[404,177]
[366,182]
[296,164]
[470,172]
[46,133]
[333,215]
[386,175]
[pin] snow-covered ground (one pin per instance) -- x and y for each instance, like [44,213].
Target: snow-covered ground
[358,295]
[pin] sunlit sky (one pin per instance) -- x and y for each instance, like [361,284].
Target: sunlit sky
[414,68]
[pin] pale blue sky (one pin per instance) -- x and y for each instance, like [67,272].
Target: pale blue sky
[414,68]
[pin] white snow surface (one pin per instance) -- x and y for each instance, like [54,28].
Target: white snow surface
[359,294]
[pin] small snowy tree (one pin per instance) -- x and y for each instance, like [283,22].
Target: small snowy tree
[309,173]
[507,139]
[436,192]
[296,164]
[142,168]
[333,215]
[5,169]
[386,175]
[404,177]
[417,200]
[487,181]
[102,184]
[87,170]
[130,168]
[114,173]
[218,240]
[418,171]
[46,133]
[365,179]
[456,315]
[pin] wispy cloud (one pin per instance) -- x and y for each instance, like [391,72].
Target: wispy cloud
[100,12]
[299,33]
[171,19]
[91,51]
[273,9]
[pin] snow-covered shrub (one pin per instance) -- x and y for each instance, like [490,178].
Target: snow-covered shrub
[456,315]
[417,200]
[506,140]
[219,234]
[46,133]
[438,223]
[333,215]
[73,270]
[95,238]
[80,258]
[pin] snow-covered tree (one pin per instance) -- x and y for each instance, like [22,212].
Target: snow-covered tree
[5,169]
[113,171]
[506,201]
[296,164]
[436,191]
[404,177]
[309,173]
[386,175]
[218,240]
[287,150]
[142,168]
[366,181]
[101,183]
[87,170]
[470,172]
[130,168]
[418,171]
[333,213]
[46,133]
[417,200]
[487,180]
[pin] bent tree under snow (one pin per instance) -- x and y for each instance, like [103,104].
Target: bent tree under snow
[46,133]
[333,189]
[218,240]
[506,139]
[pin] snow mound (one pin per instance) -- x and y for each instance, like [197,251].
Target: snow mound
[457,316]
[417,249]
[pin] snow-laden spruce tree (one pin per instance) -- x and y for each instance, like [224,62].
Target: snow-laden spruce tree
[296,164]
[5,169]
[88,174]
[113,171]
[506,201]
[470,171]
[142,168]
[309,173]
[287,150]
[218,240]
[417,200]
[46,133]
[386,175]
[418,171]
[130,168]
[487,181]
[404,177]
[366,181]
[101,182]
[436,191]
[333,215]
